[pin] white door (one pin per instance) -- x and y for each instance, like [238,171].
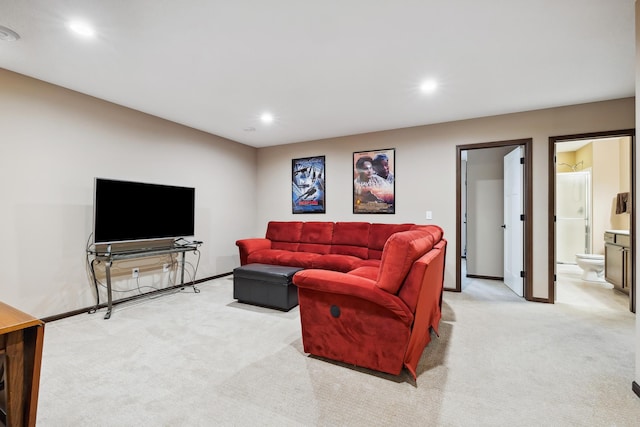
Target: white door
[512,224]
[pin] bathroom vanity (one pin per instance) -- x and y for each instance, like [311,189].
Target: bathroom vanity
[617,256]
[617,259]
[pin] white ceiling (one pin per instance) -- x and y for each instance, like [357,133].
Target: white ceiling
[327,68]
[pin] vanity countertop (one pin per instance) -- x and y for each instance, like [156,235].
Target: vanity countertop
[617,231]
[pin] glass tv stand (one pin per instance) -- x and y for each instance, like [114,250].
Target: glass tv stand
[107,255]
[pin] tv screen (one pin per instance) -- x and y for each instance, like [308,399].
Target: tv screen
[131,211]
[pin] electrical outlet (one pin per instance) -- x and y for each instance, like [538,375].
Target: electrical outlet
[135,273]
[165,267]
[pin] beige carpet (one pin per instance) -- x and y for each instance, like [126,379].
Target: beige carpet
[203,359]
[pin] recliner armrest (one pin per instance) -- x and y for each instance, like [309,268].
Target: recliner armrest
[352,285]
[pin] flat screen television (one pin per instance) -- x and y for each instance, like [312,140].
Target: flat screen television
[126,211]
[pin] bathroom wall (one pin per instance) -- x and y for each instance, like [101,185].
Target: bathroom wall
[585,155]
[609,162]
[611,175]
[623,221]
[566,157]
[605,185]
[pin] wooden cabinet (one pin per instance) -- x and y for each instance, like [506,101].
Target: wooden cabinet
[618,264]
[614,265]
[21,339]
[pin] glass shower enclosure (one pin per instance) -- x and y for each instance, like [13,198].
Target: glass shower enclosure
[573,215]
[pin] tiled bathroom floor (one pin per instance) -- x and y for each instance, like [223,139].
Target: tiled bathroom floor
[571,289]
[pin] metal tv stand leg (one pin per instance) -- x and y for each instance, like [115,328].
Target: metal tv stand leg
[184,260]
[109,300]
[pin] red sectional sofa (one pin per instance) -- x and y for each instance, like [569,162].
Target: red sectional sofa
[339,246]
[369,294]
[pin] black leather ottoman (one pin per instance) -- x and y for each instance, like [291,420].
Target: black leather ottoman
[266,285]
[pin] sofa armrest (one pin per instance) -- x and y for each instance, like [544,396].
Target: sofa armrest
[351,285]
[248,246]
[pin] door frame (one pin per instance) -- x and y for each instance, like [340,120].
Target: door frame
[552,200]
[527,143]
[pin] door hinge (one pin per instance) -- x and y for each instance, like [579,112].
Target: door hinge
[521,217]
[555,278]
[522,160]
[522,274]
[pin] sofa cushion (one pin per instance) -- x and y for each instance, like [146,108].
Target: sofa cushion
[282,257]
[285,246]
[378,236]
[356,251]
[350,238]
[369,263]
[400,251]
[265,256]
[316,237]
[367,272]
[434,230]
[335,262]
[314,248]
[297,259]
[284,231]
[317,232]
[351,233]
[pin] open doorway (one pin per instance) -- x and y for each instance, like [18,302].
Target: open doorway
[493,216]
[591,228]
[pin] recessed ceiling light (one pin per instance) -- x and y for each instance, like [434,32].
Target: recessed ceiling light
[8,35]
[266,118]
[82,29]
[428,86]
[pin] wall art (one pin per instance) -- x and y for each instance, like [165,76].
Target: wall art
[374,182]
[308,185]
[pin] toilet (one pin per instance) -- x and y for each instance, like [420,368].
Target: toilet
[592,267]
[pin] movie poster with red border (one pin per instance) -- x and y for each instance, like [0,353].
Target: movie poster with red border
[308,185]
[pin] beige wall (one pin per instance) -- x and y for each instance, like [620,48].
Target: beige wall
[426,170]
[605,185]
[54,142]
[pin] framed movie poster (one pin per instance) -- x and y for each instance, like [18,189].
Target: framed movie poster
[374,185]
[307,185]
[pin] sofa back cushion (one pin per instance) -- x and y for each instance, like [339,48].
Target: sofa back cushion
[351,238]
[398,256]
[284,234]
[378,235]
[316,237]
[436,231]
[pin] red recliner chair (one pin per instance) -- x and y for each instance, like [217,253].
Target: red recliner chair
[377,318]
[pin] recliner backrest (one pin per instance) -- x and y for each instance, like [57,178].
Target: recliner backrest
[400,252]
